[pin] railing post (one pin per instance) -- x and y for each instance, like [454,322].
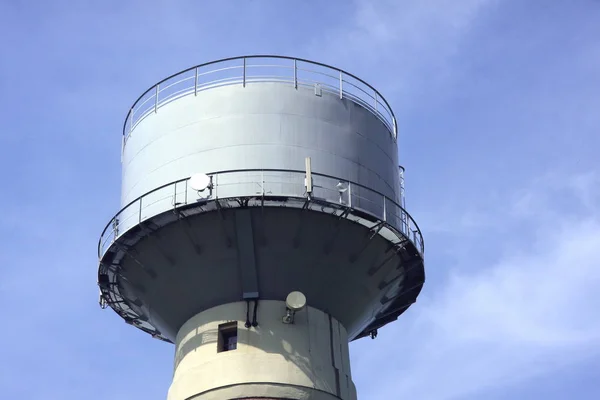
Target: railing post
[295,73]
[384,209]
[341,85]
[140,211]
[122,148]
[186,191]
[216,186]
[156,98]
[395,127]
[130,120]
[196,82]
[175,195]
[349,194]
[244,76]
[375,101]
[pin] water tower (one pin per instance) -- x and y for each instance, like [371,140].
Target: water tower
[262,227]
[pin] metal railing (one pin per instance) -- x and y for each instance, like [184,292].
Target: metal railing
[266,184]
[259,68]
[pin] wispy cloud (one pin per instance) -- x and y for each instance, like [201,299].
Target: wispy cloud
[529,312]
[413,40]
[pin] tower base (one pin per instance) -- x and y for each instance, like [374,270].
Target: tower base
[219,358]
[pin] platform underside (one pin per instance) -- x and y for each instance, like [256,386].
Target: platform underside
[181,262]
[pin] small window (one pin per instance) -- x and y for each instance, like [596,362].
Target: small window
[227,337]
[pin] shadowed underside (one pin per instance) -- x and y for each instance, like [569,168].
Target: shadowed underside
[182,262]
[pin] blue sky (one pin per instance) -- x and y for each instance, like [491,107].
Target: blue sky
[497,103]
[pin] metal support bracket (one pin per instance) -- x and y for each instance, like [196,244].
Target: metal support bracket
[246,256]
[186,227]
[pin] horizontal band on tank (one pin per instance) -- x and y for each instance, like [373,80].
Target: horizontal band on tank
[254,182]
[274,69]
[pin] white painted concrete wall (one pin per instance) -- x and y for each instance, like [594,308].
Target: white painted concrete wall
[305,360]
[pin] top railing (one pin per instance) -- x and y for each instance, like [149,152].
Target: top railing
[260,68]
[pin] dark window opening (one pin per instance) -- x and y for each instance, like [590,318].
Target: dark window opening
[227,337]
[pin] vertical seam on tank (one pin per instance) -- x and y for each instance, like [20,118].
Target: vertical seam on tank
[335,369]
[308,329]
[342,358]
[331,341]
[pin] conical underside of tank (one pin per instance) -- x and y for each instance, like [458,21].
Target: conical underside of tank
[182,262]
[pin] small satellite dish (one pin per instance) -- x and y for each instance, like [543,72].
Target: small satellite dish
[295,301]
[341,187]
[200,182]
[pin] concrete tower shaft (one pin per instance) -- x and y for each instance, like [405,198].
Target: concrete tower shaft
[308,359]
[244,180]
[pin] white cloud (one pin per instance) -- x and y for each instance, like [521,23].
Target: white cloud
[531,311]
[415,40]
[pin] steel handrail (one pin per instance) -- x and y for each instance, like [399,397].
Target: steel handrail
[378,98]
[419,243]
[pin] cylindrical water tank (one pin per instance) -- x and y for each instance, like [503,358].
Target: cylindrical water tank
[264,125]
